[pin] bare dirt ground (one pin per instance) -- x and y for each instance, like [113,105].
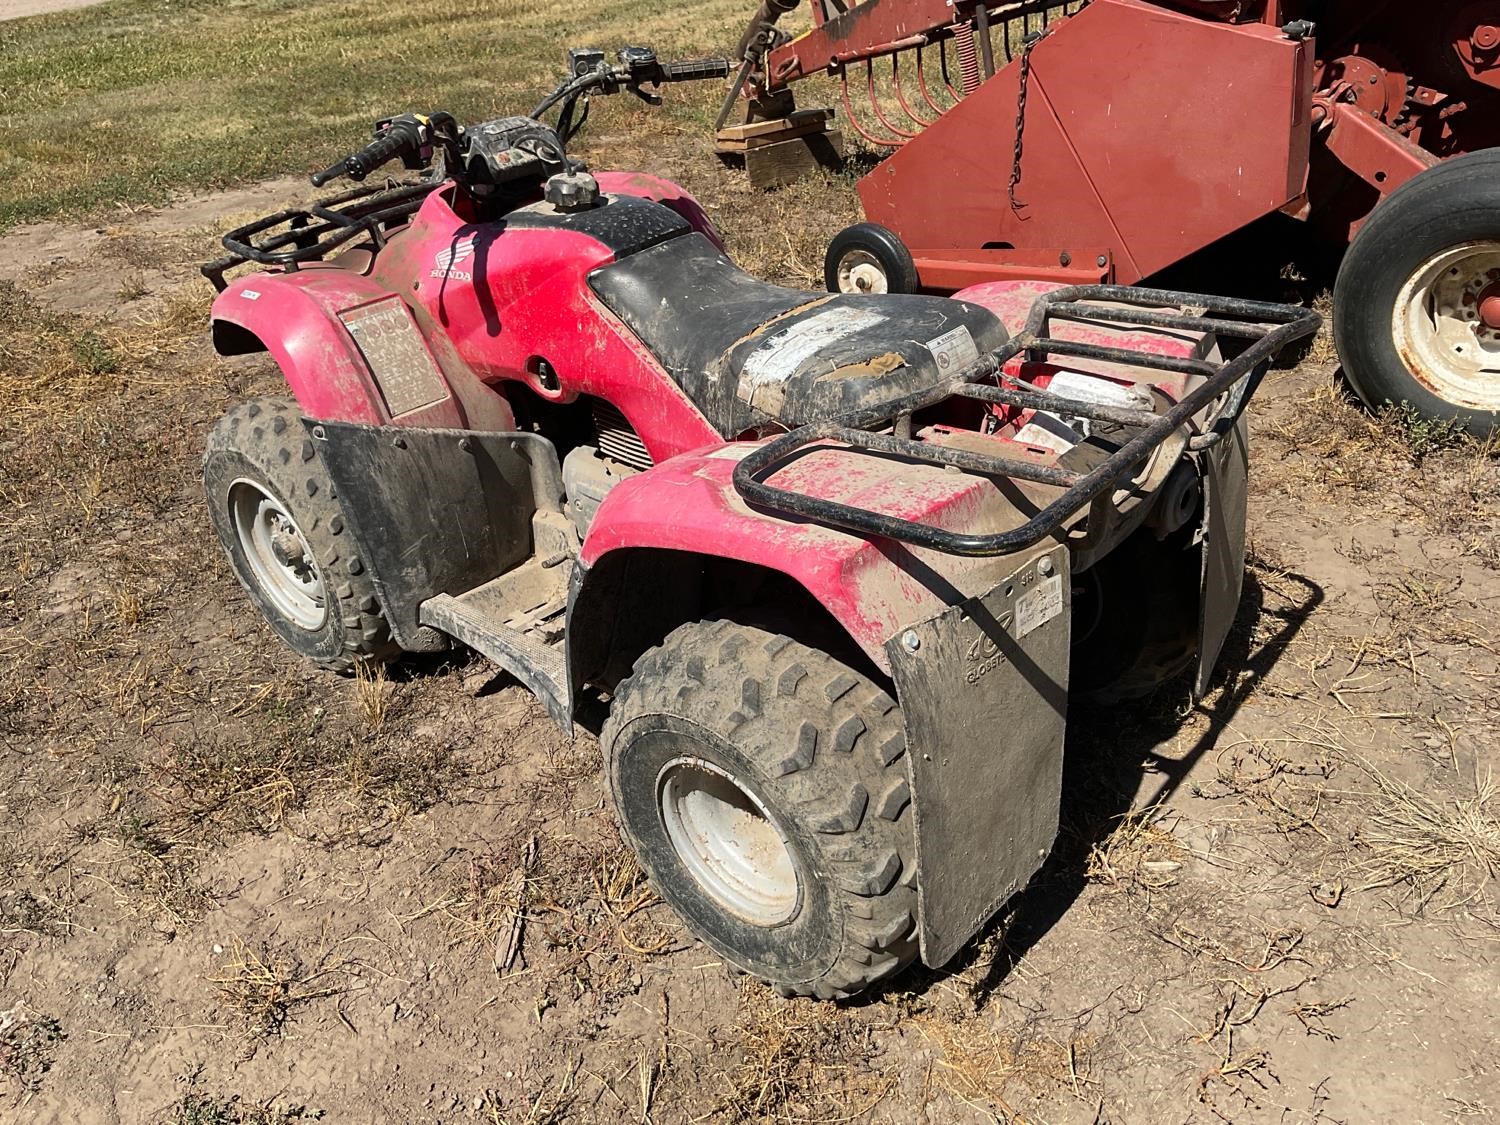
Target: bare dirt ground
[15,9]
[234,889]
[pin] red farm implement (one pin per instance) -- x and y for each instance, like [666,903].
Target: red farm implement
[1107,140]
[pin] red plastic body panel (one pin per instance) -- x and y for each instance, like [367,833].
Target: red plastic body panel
[297,317]
[489,303]
[1109,160]
[690,504]
[872,588]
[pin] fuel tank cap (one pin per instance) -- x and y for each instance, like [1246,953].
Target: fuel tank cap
[572,191]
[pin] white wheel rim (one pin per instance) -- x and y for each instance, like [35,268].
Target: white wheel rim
[860,272]
[727,841]
[1446,329]
[278,555]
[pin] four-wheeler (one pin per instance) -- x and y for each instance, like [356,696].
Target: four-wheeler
[1106,140]
[832,562]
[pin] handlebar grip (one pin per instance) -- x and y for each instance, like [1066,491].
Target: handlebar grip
[398,138]
[691,70]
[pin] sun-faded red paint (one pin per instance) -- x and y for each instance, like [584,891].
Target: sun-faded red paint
[872,588]
[295,315]
[1151,128]
[488,315]
[491,300]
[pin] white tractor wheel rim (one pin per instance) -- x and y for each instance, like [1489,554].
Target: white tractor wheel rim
[1442,330]
[727,841]
[278,555]
[860,272]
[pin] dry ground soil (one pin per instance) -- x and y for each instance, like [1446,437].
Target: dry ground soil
[234,889]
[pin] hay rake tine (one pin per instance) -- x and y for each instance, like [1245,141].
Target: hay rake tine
[920,122]
[922,83]
[943,62]
[853,119]
[875,104]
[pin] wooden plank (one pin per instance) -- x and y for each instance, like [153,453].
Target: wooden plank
[797,119]
[786,162]
[733,145]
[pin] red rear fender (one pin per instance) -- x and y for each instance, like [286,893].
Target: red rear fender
[689,504]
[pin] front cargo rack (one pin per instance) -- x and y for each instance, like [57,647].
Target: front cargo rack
[290,238]
[1268,328]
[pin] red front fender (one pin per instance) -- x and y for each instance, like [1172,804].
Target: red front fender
[304,320]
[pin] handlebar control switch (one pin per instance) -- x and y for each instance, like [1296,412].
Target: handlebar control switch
[573,191]
[640,63]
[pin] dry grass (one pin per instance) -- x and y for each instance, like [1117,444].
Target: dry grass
[983,1065]
[1139,853]
[1444,853]
[372,693]
[1394,464]
[799,1061]
[262,986]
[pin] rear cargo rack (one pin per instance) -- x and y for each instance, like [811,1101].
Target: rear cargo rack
[311,234]
[1268,328]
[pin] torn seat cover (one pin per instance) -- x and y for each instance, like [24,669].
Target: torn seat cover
[747,352]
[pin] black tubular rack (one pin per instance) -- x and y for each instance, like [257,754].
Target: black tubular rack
[1268,328]
[289,238]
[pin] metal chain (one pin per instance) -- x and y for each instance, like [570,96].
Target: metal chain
[1027,47]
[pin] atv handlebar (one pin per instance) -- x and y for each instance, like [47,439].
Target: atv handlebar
[401,136]
[411,136]
[638,67]
[692,70]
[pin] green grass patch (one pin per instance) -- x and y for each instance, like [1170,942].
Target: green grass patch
[134,100]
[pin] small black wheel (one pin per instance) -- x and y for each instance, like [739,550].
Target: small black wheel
[763,784]
[1417,304]
[276,515]
[868,258]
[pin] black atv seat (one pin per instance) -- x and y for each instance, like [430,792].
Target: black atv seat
[747,352]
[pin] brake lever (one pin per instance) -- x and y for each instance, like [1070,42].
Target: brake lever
[645,96]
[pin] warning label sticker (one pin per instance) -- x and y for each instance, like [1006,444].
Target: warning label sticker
[954,350]
[1037,607]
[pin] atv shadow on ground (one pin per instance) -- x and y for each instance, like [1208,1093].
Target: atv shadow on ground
[1110,753]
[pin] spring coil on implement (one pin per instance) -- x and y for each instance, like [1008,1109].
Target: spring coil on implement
[968,57]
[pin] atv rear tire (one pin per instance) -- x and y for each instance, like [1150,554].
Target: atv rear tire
[278,519]
[763,785]
[1417,304]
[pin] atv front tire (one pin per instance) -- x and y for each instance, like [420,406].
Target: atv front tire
[278,519]
[763,784]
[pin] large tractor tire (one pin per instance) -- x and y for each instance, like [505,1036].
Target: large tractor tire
[1417,304]
[763,784]
[276,514]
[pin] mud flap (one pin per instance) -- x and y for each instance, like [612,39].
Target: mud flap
[433,511]
[984,689]
[1226,478]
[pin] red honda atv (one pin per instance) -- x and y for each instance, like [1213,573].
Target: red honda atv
[834,561]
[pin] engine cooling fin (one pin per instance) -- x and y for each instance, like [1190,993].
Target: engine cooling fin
[617,439]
